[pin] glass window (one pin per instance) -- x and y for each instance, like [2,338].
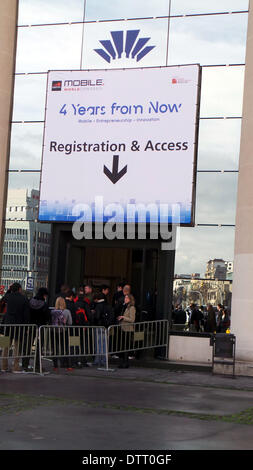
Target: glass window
[222,91]
[186,7]
[197,245]
[216,198]
[219,39]
[48,11]
[125,44]
[203,292]
[44,48]
[29,97]
[26,146]
[116,9]
[24,180]
[219,144]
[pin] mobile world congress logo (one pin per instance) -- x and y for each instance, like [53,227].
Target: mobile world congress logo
[131,45]
[73,85]
[56,85]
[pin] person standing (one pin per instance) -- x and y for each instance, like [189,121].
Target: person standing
[105,291]
[179,315]
[17,313]
[39,315]
[125,319]
[83,318]
[63,291]
[70,305]
[126,290]
[60,317]
[39,310]
[118,297]
[88,293]
[210,323]
[196,317]
[224,321]
[82,302]
[104,318]
[89,298]
[77,316]
[219,311]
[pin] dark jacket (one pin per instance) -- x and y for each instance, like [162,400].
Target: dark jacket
[224,322]
[39,312]
[118,306]
[179,316]
[81,303]
[196,318]
[210,324]
[18,311]
[71,306]
[104,315]
[118,297]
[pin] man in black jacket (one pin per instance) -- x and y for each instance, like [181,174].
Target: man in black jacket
[81,301]
[179,315]
[39,315]
[118,297]
[17,313]
[83,317]
[103,317]
[70,304]
[39,310]
[196,317]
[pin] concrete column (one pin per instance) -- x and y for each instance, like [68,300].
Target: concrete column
[8,34]
[242,296]
[165,277]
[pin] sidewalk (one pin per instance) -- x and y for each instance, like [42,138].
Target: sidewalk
[135,408]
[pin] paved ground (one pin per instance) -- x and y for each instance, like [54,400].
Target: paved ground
[130,409]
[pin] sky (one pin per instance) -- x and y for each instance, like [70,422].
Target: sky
[208,40]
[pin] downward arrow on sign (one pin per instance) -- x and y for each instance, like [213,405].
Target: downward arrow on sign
[115,175]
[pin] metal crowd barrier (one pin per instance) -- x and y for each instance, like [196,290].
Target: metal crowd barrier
[63,343]
[67,343]
[138,336]
[18,342]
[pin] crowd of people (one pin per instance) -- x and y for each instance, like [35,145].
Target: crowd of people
[88,307]
[85,307]
[207,319]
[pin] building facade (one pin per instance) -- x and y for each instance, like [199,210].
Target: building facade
[216,269]
[65,35]
[202,292]
[26,248]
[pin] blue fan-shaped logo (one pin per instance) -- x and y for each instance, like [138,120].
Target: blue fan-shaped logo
[133,47]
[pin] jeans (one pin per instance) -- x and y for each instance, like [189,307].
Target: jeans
[100,347]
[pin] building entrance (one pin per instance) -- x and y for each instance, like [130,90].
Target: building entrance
[99,266]
[140,263]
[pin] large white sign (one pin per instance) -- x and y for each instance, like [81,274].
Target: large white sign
[121,137]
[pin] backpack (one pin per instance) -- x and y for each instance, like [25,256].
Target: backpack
[80,317]
[58,318]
